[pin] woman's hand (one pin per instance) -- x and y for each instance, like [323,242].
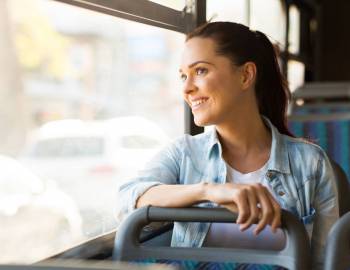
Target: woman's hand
[254,204]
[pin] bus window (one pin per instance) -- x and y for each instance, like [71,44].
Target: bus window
[295,75]
[274,24]
[178,5]
[252,13]
[90,98]
[226,10]
[294,30]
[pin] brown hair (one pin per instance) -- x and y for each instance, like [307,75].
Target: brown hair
[242,45]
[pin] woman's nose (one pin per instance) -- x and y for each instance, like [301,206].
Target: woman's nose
[189,86]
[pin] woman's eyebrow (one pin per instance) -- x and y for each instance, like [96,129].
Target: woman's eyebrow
[196,63]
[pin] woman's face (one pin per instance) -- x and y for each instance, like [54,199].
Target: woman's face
[212,85]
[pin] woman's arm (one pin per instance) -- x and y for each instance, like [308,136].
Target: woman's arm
[163,169]
[253,203]
[173,195]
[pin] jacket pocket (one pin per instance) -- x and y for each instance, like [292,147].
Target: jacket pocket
[308,222]
[309,219]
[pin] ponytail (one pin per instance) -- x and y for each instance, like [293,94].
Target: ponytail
[271,88]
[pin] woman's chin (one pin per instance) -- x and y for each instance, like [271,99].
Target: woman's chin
[201,122]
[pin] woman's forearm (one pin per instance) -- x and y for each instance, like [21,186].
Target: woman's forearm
[173,195]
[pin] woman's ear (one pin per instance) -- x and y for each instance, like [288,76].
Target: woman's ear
[248,75]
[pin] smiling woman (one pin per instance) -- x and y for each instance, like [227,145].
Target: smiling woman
[250,162]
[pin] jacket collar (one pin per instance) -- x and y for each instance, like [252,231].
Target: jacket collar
[279,158]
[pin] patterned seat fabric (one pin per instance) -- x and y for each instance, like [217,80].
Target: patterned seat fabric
[332,135]
[195,265]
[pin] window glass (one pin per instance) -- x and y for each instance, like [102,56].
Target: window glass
[269,17]
[266,16]
[178,4]
[296,74]
[294,30]
[68,147]
[75,84]
[139,142]
[227,10]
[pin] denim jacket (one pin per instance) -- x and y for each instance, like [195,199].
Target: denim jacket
[298,174]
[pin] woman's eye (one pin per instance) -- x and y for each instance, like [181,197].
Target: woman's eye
[183,77]
[201,71]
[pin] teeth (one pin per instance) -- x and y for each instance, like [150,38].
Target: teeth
[197,102]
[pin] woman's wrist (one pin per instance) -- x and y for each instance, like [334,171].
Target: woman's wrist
[204,191]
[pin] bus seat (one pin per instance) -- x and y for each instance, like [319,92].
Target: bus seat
[321,108]
[295,255]
[337,255]
[336,94]
[320,111]
[331,132]
[343,188]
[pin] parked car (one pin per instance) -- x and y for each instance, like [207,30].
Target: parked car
[37,219]
[89,159]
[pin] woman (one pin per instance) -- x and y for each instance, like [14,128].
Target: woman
[250,162]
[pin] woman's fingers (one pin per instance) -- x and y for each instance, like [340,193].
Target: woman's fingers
[263,209]
[267,209]
[254,204]
[276,221]
[254,210]
[241,200]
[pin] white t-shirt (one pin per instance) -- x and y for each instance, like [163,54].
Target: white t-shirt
[229,235]
[237,177]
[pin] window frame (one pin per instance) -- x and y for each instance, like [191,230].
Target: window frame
[308,11]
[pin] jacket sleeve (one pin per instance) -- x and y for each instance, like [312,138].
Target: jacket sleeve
[326,209]
[162,169]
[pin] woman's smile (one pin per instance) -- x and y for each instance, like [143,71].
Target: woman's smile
[198,103]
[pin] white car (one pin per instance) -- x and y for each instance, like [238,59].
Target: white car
[74,150]
[90,159]
[37,218]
